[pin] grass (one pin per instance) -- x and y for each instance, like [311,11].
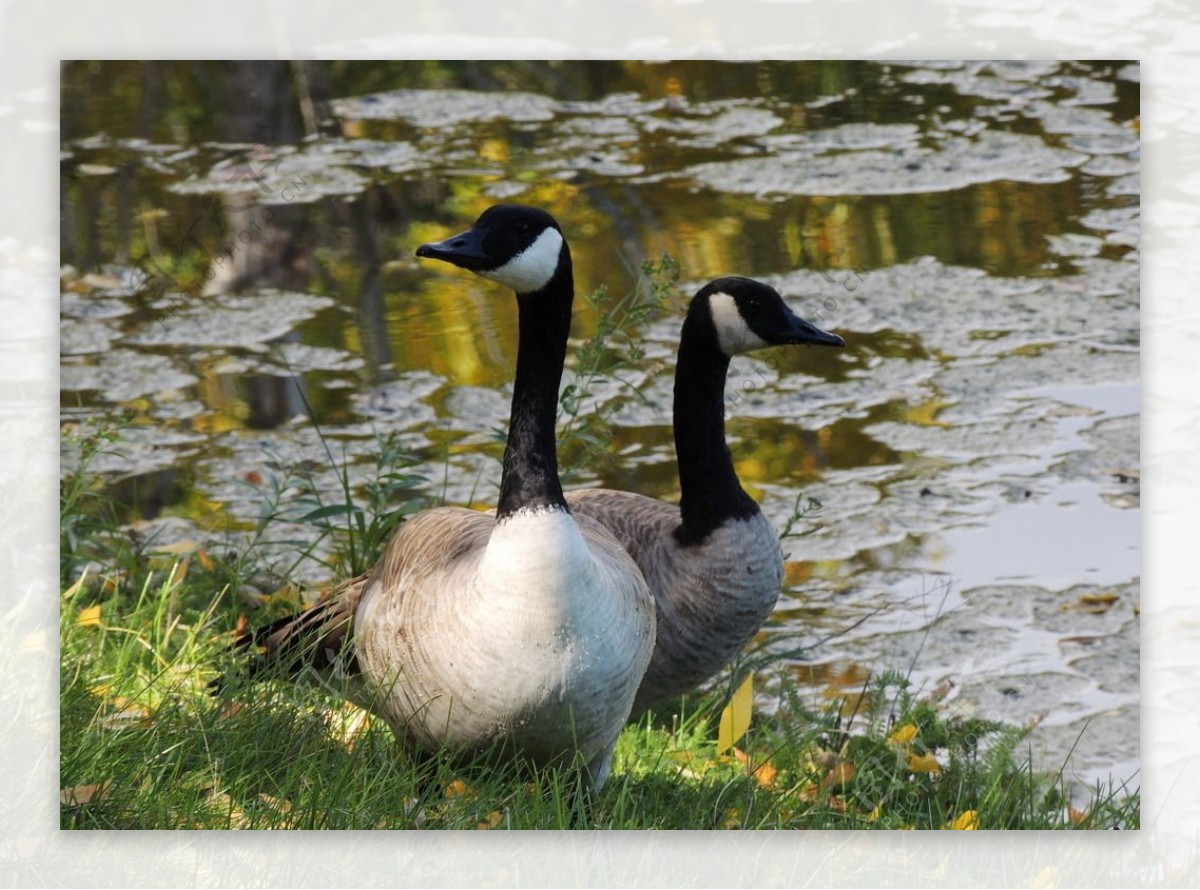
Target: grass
[145,745]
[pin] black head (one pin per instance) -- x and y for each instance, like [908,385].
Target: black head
[517,246]
[747,315]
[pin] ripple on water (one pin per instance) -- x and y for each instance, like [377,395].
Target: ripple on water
[121,375]
[438,109]
[949,306]
[401,403]
[84,337]
[955,163]
[248,321]
[289,176]
[137,450]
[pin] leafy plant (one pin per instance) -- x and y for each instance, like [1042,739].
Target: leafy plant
[585,428]
[85,512]
[391,493]
[800,511]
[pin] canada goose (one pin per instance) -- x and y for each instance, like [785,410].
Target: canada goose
[530,627]
[713,562]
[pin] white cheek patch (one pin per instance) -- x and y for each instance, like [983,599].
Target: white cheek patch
[532,268]
[733,334]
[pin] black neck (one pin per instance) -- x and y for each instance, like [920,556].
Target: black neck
[530,477]
[710,493]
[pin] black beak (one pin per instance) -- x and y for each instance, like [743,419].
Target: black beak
[464,250]
[801,331]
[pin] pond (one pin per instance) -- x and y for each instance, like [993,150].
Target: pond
[239,284]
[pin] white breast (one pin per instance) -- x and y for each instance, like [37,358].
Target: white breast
[531,637]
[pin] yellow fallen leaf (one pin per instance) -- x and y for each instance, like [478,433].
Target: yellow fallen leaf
[348,725]
[125,714]
[206,561]
[289,594]
[968,821]
[735,719]
[923,763]
[179,571]
[842,773]
[764,773]
[220,803]
[491,820]
[78,795]
[455,788]
[904,734]
[275,803]
[89,617]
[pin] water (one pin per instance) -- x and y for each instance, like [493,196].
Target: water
[971,229]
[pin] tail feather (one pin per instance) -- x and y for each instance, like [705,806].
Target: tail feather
[318,641]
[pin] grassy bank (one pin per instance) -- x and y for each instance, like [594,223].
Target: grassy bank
[145,745]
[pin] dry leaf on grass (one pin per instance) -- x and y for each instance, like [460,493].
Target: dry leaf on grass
[78,795]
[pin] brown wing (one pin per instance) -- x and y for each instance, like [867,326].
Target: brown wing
[320,639]
[317,639]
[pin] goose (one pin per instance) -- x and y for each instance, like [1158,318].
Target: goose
[713,562]
[528,628]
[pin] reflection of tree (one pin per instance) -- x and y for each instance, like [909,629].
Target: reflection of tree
[779,452]
[406,315]
[371,319]
[259,104]
[634,221]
